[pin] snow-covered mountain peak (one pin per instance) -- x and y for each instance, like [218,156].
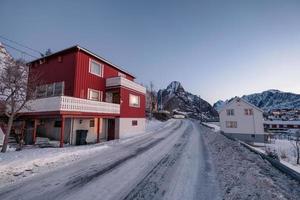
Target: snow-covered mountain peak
[270,100]
[175,98]
[175,86]
[272,91]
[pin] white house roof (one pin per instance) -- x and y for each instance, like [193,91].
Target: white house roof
[240,99]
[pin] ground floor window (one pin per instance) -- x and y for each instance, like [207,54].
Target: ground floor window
[92,123]
[57,123]
[134,122]
[231,124]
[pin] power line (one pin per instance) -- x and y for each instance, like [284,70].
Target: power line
[22,45]
[18,50]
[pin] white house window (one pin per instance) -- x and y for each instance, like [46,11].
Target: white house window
[134,101]
[96,68]
[94,95]
[231,124]
[248,111]
[230,112]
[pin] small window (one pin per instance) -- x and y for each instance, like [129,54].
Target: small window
[92,123]
[57,123]
[59,59]
[94,95]
[231,124]
[41,91]
[253,135]
[134,101]
[134,122]
[230,112]
[50,90]
[58,89]
[248,111]
[96,68]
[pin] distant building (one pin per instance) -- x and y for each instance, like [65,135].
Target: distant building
[279,125]
[241,120]
[83,97]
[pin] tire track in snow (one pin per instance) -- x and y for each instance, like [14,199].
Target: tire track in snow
[152,186]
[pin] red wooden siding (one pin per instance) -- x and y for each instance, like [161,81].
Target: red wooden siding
[53,71]
[84,79]
[132,112]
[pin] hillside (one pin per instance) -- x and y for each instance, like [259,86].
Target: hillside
[175,98]
[270,100]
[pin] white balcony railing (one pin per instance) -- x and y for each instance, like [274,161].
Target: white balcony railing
[120,81]
[71,104]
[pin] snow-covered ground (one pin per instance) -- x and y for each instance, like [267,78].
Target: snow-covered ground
[168,164]
[243,174]
[16,165]
[214,126]
[284,149]
[179,160]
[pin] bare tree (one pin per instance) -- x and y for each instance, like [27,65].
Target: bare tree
[151,99]
[296,144]
[15,91]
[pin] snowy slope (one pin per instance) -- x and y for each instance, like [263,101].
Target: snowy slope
[175,98]
[269,100]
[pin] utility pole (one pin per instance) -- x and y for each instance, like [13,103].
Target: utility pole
[200,111]
[161,106]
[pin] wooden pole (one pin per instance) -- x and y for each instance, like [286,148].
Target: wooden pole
[34,130]
[62,131]
[98,130]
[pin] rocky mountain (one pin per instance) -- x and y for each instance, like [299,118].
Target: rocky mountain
[175,99]
[270,100]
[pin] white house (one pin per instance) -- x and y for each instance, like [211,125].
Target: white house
[242,120]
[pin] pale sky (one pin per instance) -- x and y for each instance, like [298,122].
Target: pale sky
[216,49]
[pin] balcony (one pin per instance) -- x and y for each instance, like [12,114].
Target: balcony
[71,104]
[120,81]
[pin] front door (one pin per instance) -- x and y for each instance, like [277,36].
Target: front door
[111,129]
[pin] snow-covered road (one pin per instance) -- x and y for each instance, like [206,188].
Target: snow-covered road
[179,160]
[170,164]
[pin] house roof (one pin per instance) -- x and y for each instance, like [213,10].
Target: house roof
[241,99]
[88,52]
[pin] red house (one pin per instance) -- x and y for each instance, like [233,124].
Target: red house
[82,95]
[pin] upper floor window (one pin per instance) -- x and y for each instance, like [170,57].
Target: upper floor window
[134,101]
[94,95]
[230,111]
[49,90]
[231,124]
[248,111]
[96,68]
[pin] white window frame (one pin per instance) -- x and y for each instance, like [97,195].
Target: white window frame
[97,91]
[231,124]
[139,101]
[101,67]
[230,112]
[248,111]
